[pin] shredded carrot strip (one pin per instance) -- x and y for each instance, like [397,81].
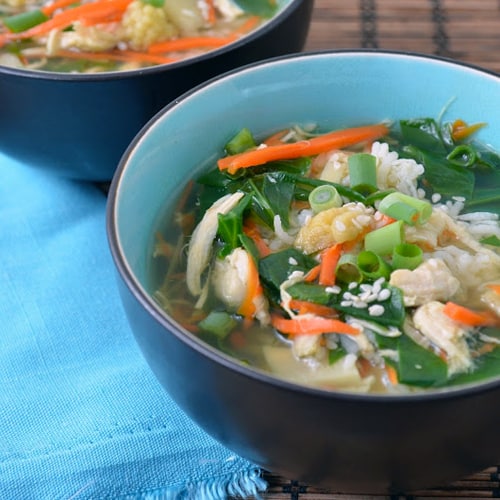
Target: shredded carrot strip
[392,374]
[460,129]
[211,16]
[333,140]
[495,287]
[162,247]
[189,43]
[470,317]
[250,229]
[67,17]
[248,25]
[313,274]
[311,325]
[254,290]
[383,220]
[306,307]
[328,264]
[115,55]
[275,138]
[56,5]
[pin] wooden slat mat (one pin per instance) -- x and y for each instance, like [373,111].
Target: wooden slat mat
[466,30]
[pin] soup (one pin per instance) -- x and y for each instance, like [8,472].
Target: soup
[112,35]
[363,259]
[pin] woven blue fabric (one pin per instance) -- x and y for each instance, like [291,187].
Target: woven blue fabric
[81,415]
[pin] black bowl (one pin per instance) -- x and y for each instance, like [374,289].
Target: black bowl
[350,442]
[79,125]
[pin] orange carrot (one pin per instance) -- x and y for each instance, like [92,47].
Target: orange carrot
[67,17]
[56,5]
[383,220]
[248,25]
[211,17]
[311,325]
[460,130]
[313,274]
[189,43]
[495,287]
[306,307]
[114,55]
[329,260]
[162,247]
[250,229]
[392,374]
[254,290]
[333,140]
[275,138]
[468,316]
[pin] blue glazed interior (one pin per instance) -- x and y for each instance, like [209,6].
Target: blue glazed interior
[332,89]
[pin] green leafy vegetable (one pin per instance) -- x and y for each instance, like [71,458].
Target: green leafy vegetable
[418,366]
[263,8]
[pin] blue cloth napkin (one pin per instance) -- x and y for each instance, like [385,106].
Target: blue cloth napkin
[81,415]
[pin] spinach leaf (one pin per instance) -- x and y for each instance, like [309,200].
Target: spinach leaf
[263,8]
[423,133]
[419,366]
[394,310]
[310,292]
[279,191]
[487,366]
[441,175]
[231,227]
[275,268]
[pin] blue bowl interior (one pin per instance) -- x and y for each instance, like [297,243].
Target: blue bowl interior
[332,89]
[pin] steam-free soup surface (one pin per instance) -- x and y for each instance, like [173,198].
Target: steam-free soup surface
[362,260]
[112,35]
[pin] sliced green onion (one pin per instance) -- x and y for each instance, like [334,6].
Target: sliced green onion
[373,266]
[463,156]
[407,256]
[154,3]
[406,208]
[219,323]
[25,20]
[242,141]
[383,240]
[363,172]
[347,270]
[324,197]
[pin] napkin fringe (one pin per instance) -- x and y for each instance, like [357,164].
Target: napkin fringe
[243,484]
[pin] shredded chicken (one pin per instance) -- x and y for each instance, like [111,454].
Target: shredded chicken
[445,333]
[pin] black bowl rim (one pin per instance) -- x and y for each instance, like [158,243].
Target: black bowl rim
[262,30]
[217,356]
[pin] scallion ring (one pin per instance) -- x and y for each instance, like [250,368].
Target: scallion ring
[407,256]
[324,197]
[383,240]
[406,208]
[373,266]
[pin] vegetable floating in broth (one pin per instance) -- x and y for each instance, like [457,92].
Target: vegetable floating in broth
[365,259]
[112,35]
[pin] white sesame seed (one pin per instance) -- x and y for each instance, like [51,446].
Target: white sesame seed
[346,303]
[436,197]
[340,226]
[333,289]
[292,261]
[376,310]
[359,304]
[384,294]
[352,285]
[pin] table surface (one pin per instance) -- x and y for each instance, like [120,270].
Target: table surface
[466,30]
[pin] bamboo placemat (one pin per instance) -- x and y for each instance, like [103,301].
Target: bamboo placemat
[466,30]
